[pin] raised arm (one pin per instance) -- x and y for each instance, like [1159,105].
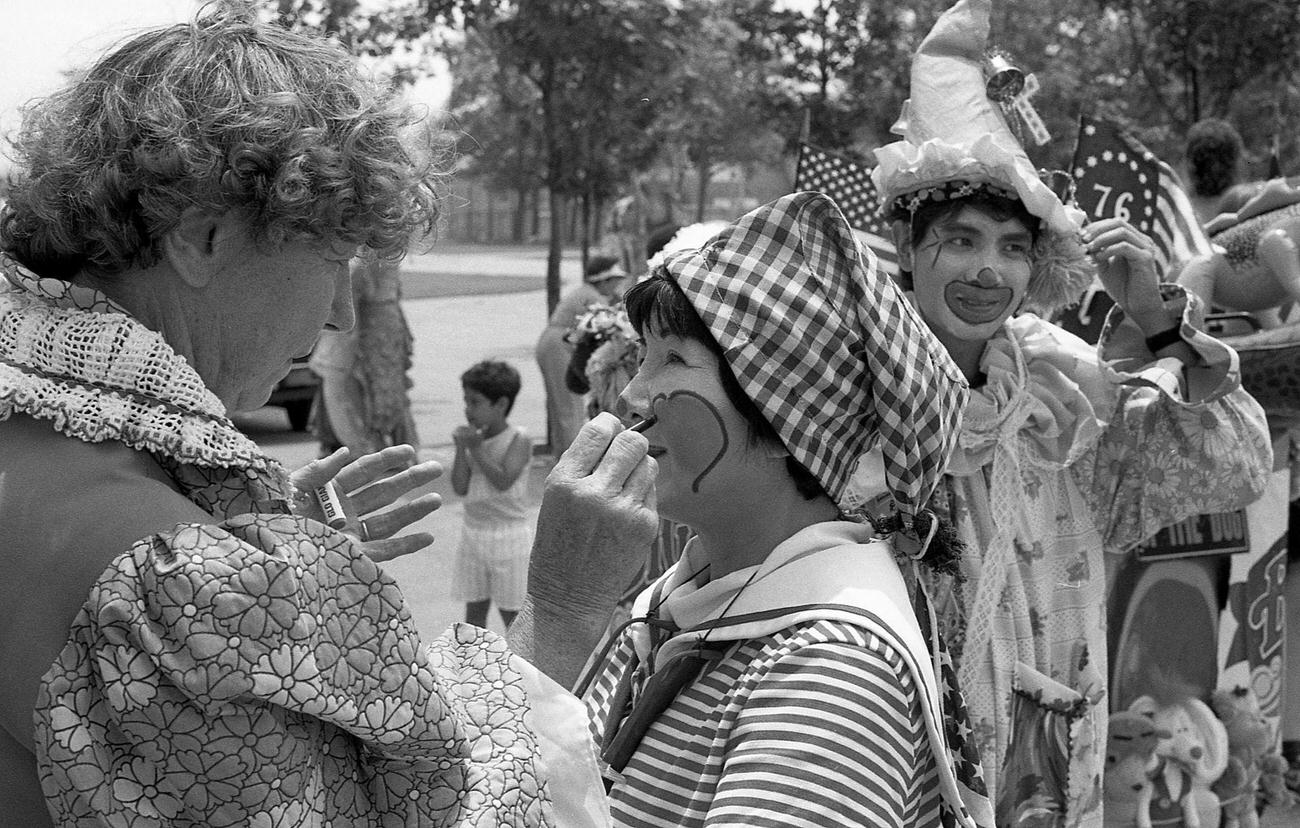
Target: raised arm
[596,523]
[502,474]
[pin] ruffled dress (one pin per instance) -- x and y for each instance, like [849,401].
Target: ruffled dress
[1067,452]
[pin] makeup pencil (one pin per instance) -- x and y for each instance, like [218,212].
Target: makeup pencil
[644,424]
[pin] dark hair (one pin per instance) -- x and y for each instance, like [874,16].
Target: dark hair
[657,240]
[599,264]
[493,379]
[660,304]
[225,113]
[1213,152]
[996,206]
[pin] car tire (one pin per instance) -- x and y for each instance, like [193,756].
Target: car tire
[299,412]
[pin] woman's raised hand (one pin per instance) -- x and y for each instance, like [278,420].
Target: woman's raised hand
[366,486]
[598,517]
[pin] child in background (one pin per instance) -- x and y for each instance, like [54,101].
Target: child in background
[491,457]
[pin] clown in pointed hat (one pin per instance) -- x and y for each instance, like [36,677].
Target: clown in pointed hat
[956,141]
[1066,451]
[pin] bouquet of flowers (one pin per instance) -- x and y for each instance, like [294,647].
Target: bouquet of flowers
[604,357]
[599,324]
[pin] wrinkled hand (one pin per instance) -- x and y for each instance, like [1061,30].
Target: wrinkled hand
[1126,264]
[467,437]
[597,520]
[365,486]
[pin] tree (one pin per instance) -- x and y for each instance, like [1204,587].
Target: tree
[594,64]
[497,114]
[715,100]
[838,72]
[1233,59]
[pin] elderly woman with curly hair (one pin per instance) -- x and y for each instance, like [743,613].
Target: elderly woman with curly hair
[187,636]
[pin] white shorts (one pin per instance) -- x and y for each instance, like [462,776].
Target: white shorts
[492,564]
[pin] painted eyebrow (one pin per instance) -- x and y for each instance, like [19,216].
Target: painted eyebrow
[1011,235]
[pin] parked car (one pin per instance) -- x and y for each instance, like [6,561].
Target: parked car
[296,392]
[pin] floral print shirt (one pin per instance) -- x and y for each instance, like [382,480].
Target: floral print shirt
[265,672]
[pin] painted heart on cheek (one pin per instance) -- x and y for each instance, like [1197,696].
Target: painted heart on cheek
[697,430]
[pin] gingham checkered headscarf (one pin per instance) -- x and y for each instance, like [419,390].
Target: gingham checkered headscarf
[827,346]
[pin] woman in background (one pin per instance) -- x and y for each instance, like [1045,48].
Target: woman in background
[565,410]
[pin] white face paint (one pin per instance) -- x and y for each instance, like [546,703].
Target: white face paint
[970,272]
[706,465]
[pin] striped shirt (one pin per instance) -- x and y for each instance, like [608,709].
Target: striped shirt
[817,724]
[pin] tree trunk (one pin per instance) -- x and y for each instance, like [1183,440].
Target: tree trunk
[471,223]
[554,252]
[640,230]
[490,201]
[584,231]
[554,166]
[703,177]
[535,206]
[517,220]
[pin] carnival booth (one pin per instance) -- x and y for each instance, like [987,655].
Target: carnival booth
[1198,613]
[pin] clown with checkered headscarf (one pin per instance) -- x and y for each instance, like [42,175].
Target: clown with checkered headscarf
[780,672]
[1066,451]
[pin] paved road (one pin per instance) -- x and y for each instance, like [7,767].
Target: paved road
[463,304]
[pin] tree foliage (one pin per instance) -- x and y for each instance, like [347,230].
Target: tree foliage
[1232,59]
[496,115]
[629,81]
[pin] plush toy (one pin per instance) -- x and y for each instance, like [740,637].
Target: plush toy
[1192,758]
[1130,760]
[1249,738]
[1255,267]
[1272,782]
[1256,264]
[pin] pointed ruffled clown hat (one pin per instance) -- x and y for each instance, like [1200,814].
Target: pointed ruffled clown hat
[956,141]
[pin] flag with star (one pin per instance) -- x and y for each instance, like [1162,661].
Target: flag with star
[1115,176]
[848,183]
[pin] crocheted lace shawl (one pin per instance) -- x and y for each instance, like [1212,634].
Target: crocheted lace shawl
[70,355]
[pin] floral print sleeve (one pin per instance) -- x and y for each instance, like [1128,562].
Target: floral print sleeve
[1182,440]
[265,672]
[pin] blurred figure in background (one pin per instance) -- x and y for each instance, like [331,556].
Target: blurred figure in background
[364,401]
[1214,166]
[565,414]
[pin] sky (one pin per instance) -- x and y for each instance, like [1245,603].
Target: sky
[41,39]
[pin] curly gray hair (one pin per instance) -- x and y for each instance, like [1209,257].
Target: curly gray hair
[224,113]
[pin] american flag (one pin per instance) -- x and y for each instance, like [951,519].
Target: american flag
[849,185]
[1116,176]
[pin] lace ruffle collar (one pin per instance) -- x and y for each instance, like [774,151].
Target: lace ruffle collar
[1041,387]
[70,355]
